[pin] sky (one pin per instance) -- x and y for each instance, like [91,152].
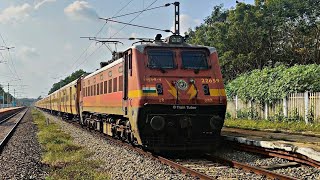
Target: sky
[45,35]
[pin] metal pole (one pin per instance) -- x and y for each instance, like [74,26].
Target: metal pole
[176,18]
[3,99]
[14,100]
[8,96]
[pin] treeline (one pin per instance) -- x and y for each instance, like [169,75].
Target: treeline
[67,80]
[268,33]
[2,92]
[272,84]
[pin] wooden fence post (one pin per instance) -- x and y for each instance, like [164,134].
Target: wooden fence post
[236,100]
[266,110]
[285,106]
[306,106]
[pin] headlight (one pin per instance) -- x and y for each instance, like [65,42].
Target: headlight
[157,123]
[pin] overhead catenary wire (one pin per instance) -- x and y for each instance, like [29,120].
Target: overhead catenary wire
[97,35]
[14,69]
[135,25]
[133,18]
[127,14]
[123,27]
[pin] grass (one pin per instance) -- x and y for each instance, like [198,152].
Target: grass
[273,125]
[65,159]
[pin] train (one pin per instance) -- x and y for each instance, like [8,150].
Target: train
[162,95]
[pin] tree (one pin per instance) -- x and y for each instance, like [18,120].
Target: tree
[75,75]
[267,33]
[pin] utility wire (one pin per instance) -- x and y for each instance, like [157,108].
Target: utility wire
[133,18]
[166,5]
[89,56]
[121,28]
[97,35]
[15,72]
[146,27]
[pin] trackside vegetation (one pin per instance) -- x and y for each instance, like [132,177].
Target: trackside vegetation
[65,159]
[271,84]
[276,126]
[253,36]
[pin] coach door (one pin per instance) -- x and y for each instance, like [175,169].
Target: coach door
[126,72]
[70,99]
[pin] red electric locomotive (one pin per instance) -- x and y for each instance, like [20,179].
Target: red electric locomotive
[162,95]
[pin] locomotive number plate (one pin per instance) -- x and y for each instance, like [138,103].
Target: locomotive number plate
[184,107]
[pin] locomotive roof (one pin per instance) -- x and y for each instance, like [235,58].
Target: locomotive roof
[105,67]
[63,87]
[141,47]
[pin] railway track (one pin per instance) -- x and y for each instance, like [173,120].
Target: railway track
[277,153]
[8,126]
[192,168]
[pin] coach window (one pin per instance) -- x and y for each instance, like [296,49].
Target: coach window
[105,87]
[110,86]
[115,83]
[98,90]
[120,83]
[101,88]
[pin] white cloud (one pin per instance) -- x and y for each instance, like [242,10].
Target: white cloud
[81,10]
[14,14]
[67,47]
[37,6]
[26,52]
[187,22]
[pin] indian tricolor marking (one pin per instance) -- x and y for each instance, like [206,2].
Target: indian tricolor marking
[149,89]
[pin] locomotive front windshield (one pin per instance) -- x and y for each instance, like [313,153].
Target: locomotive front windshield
[194,60]
[160,59]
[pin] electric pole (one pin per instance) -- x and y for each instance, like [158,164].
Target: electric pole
[8,97]
[14,100]
[3,99]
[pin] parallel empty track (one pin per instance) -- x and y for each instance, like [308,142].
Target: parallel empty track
[8,126]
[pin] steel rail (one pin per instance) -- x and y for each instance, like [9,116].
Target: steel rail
[163,160]
[248,168]
[190,171]
[278,153]
[137,149]
[10,116]
[4,142]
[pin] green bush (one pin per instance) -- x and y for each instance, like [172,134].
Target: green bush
[271,84]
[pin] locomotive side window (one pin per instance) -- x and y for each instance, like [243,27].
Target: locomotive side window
[160,59]
[98,90]
[105,87]
[120,83]
[101,88]
[194,60]
[110,86]
[115,83]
